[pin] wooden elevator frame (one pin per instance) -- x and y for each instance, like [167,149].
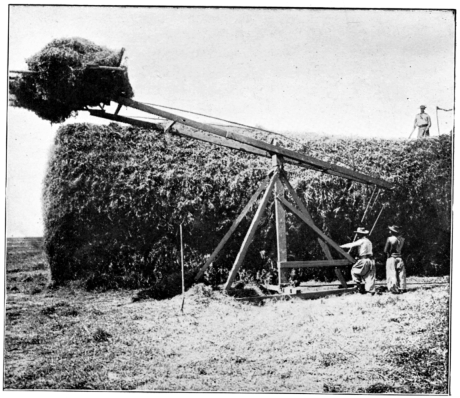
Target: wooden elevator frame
[276,182]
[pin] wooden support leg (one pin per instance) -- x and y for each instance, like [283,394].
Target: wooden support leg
[250,234]
[280,216]
[232,228]
[118,109]
[328,255]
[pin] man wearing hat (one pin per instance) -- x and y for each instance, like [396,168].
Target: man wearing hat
[363,271]
[423,122]
[395,269]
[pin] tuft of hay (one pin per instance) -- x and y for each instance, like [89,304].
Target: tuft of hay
[64,84]
[100,335]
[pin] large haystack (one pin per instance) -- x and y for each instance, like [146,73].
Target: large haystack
[115,197]
[63,84]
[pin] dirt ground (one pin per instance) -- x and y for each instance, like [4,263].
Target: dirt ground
[69,338]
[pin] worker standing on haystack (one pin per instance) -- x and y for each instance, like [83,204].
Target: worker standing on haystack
[363,271]
[423,122]
[395,268]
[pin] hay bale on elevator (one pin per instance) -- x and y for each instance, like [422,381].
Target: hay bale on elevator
[65,80]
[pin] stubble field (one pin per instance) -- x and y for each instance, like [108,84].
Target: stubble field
[68,338]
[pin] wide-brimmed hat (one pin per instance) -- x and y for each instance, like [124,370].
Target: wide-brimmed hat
[422,106]
[394,228]
[362,231]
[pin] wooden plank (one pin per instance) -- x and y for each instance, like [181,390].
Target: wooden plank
[275,288]
[322,165]
[331,172]
[123,119]
[287,153]
[305,296]
[250,234]
[232,228]
[305,219]
[25,72]
[341,278]
[313,263]
[100,67]
[197,135]
[217,140]
[280,222]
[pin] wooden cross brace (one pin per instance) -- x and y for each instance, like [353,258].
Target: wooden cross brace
[276,184]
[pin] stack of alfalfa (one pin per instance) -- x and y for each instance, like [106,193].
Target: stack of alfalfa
[65,80]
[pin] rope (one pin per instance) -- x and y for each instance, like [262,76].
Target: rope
[441,109]
[365,211]
[370,233]
[224,120]
[376,197]
[367,207]
[242,125]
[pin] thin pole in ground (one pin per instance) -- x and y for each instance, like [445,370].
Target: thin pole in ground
[182,267]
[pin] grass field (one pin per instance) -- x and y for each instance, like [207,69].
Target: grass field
[69,338]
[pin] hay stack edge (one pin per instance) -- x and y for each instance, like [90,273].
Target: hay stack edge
[66,79]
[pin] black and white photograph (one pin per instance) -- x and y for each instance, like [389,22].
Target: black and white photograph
[229,198]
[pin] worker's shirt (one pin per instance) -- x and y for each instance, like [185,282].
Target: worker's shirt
[394,245]
[422,119]
[365,246]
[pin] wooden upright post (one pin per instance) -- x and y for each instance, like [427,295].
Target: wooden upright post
[280,215]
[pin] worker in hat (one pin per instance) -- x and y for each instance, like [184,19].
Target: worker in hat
[363,271]
[423,122]
[395,268]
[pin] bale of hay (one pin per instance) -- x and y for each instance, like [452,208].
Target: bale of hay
[64,84]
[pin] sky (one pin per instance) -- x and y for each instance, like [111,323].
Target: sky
[358,73]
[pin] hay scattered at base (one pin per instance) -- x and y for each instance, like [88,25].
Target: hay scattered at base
[64,85]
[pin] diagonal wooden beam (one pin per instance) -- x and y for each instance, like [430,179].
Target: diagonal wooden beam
[272,149]
[294,195]
[303,208]
[232,228]
[250,234]
[197,135]
[307,221]
[206,137]
[327,253]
